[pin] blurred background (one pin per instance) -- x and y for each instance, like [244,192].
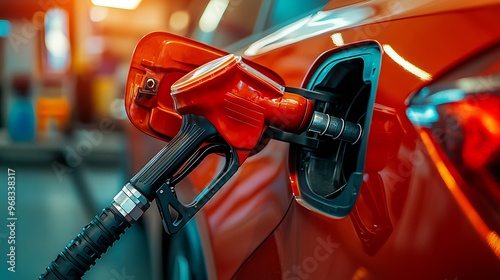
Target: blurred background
[63,126]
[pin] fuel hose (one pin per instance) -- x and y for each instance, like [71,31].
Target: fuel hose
[130,203]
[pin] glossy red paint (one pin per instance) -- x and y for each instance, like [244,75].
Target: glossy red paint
[245,211]
[240,102]
[433,234]
[165,58]
[412,220]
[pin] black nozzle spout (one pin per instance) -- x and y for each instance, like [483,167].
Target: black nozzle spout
[336,128]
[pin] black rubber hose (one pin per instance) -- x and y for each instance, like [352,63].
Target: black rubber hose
[88,246]
[130,203]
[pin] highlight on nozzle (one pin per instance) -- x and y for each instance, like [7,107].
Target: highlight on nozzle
[250,70]
[204,72]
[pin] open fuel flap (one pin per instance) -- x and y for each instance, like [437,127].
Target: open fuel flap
[328,178]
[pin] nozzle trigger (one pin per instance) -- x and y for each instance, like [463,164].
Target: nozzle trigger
[176,214]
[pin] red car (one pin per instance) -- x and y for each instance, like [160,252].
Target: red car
[417,198]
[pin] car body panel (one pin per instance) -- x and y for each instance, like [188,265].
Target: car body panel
[407,8]
[338,15]
[254,218]
[245,211]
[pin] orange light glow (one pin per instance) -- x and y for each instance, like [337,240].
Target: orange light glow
[212,15]
[98,13]
[120,4]
[491,237]
[179,20]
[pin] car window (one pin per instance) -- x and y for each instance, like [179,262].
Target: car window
[238,21]
[284,10]
[244,18]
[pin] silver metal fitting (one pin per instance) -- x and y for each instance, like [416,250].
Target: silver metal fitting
[150,84]
[335,128]
[319,123]
[130,203]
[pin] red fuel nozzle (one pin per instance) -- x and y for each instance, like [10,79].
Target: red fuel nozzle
[224,97]
[240,102]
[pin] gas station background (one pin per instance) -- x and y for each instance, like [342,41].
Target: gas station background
[63,126]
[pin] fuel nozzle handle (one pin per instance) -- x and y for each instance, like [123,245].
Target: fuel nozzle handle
[241,102]
[132,202]
[336,128]
[226,106]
